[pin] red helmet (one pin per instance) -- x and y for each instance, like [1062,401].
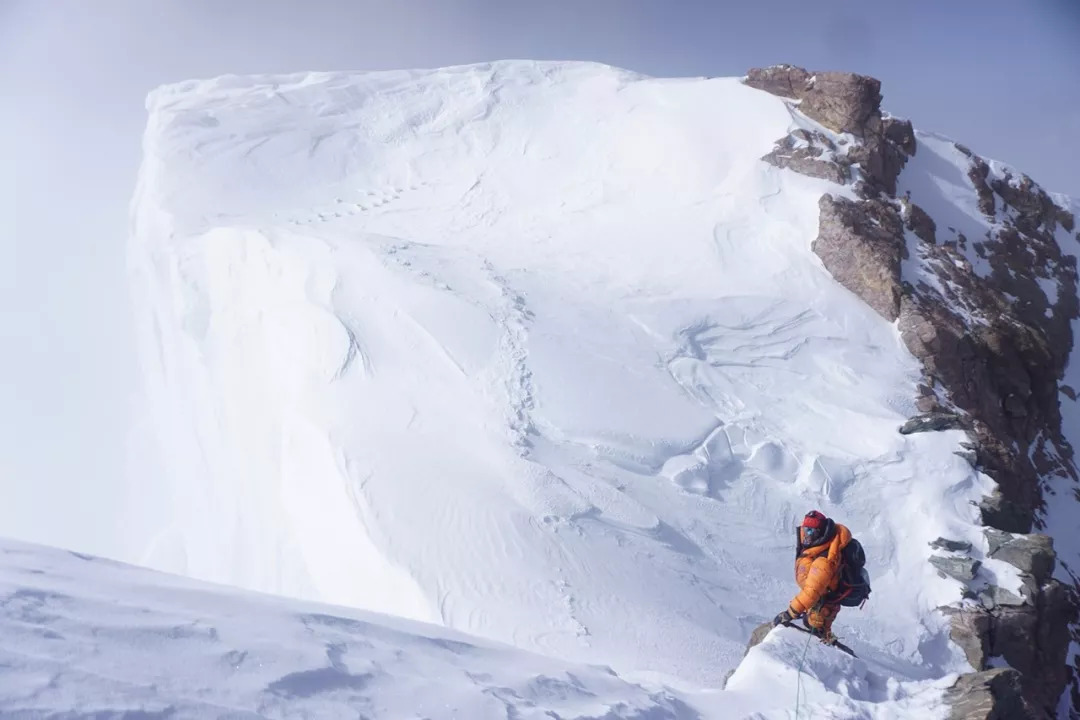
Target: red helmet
[815,528]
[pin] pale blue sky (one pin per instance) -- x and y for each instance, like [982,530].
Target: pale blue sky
[1001,77]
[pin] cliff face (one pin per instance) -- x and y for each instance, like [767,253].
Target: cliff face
[990,317]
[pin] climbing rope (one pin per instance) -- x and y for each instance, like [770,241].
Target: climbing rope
[798,682]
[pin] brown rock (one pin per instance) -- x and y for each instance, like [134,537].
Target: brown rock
[922,336]
[977,173]
[1010,506]
[996,511]
[1028,635]
[861,245]
[783,80]
[1015,635]
[1019,263]
[1003,369]
[1056,613]
[1013,638]
[958,568]
[807,160]
[989,695]
[927,404]
[997,598]
[844,102]
[1034,206]
[920,223]
[758,636]
[1032,554]
[1067,220]
[927,400]
[933,422]
[1033,639]
[950,545]
[970,629]
[900,133]
[881,163]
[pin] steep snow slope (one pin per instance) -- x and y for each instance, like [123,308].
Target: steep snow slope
[535,351]
[91,638]
[85,637]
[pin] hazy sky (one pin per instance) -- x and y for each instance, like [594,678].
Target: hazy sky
[1002,77]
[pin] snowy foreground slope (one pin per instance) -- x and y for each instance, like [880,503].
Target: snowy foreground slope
[85,637]
[540,353]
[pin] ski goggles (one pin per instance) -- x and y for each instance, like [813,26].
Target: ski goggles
[813,528]
[811,535]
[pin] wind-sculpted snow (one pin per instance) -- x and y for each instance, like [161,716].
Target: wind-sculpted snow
[89,638]
[789,675]
[538,352]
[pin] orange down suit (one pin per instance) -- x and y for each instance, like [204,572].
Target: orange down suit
[817,571]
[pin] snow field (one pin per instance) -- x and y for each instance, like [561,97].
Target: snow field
[538,352]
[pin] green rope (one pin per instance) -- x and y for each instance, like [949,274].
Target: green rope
[798,683]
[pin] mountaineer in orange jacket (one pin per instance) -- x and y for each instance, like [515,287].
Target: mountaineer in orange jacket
[817,571]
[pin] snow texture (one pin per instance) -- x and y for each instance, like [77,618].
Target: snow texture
[91,638]
[537,352]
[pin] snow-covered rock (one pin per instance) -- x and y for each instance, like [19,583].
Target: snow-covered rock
[992,324]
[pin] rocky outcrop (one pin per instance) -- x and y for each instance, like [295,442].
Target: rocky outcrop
[1034,207]
[1031,554]
[846,103]
[842,102]
[1025,634]
[900,133]
[917,221]
[1000,512]
[999,371]
[933,422]
[862,245]
[990,695]
[958,568]
[990,318]
[1028,631]
[969,627]
[977,173]
[758,636]
[1027,637]
[951,545]
[998,343]
[811,154]
[786,81]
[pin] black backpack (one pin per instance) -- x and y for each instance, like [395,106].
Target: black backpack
[854,586]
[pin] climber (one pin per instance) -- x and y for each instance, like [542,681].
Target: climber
[829,571]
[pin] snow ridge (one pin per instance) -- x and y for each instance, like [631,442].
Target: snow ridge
[536,351]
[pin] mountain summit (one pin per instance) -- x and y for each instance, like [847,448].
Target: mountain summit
[558,355]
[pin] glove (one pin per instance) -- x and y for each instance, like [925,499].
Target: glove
[784,617]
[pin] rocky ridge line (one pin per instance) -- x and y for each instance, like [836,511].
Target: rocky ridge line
[993,347]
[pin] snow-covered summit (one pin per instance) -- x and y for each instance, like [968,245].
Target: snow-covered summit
[535,351]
